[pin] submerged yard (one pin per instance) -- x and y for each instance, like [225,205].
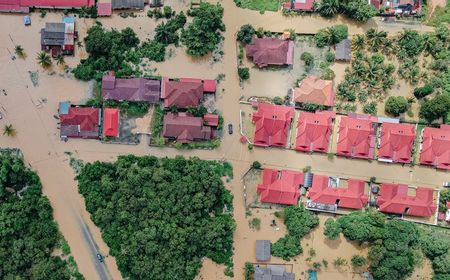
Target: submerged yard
[259,5]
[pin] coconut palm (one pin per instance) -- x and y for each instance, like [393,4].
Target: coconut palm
[375,39]
[44,59]
[429,43]
[358,43]
[60,60]
[328,8]
[9,130]
[19,51]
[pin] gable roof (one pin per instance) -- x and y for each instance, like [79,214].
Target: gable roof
[12,6]
[343,50]
[301,5]
[352,197]
[104,9]
[314,131]
[272,272]
[128,4]
[396,142]
[272,124]
[80,122]
[134,89]
[181,94]
[208,85]
[263,250]
[436,147]
[280,187]
[394,199]
[211,119]
[270,51]
[185,128]
[57,3]
[111,122]
[316,91]
[356,138]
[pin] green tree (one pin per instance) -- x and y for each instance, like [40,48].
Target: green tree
[9,130]
[308,59]
[435,108]
[19,51]
[331,35]
[256,165]
[441,265]
[358,261]
[277,100]
[358,42]
[375,39]
[396,105]
[60,60]
[287,247]
[245,34]
[44,59]
[328,8]
[332,229]
[244,73]
[249,270]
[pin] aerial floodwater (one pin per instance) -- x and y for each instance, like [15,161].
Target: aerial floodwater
[30,96]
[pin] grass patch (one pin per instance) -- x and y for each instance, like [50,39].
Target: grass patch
[259,5]
[129,108]
[441,15]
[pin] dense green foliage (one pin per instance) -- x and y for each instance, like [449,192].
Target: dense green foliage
[435,244]
[244,73]
[259,5]
[396,105]
[441,16]
[245,34]
[299,222]
[358,261]
[160,217]
[130,108]
[249,270]
[167,33]
[359,10]
[332,229]
[331,35]
[435,108]
[421,92]
[203,34]
[28,234]
[308,59]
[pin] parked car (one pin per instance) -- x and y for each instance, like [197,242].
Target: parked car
[100,257]
[230,129]
[404,9]
[446,184]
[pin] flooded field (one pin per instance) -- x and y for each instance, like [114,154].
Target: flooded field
[31,109]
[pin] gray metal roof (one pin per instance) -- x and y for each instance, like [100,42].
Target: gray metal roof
[128,4]
[262,250]
[55,27]
[344,50]
[272,272]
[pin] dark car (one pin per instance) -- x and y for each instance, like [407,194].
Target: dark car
[404,9]
[230,128]
[100,257]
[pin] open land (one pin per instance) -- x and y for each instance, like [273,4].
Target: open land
[31,109]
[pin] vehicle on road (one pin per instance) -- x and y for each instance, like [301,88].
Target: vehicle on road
[446,184]
[100,258]
[230,128]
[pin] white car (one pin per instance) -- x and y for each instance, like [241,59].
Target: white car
[446,184]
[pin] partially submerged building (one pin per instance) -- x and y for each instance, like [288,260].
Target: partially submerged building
[343,50]
[128,4]
[272,125]
[357,136]
[396,142]
[435,147]
[59,38]
[79,122]
[134,89]
[272,272]
[394,198]
[111,122]
[313,90]
[299,5]
[185,128]
[185,92]
[23,6]
[314,131]
[270,51]
[280,187]
[263,250]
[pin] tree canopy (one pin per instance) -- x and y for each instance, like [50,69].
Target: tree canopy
[359,10]
[160,216]
[331,35]
[396,105]
[28,234]
[435,108]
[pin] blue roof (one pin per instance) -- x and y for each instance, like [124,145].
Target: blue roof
[64,107]
[312,275]
[68,19]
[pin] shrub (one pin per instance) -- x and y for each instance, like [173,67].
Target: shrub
[167,12]
[244,73]
[255,223]
[245,34]
[396,105]
[249,269]
[256,165]
[340,262]
[331,35]
[277,100]
[329,57]
[421,92]
[328,74]
[332,229]
[308,59]
[358,261]
[435,108]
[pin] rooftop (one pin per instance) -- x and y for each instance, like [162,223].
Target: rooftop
[436,147]
[280,187]
[314,131]
[181,94]
[185,128]
[80,122]
[134,89]
[316,91]
[356,138]
[396,142]
[270,51]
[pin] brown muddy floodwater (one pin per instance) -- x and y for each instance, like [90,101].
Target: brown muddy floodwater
[31,109]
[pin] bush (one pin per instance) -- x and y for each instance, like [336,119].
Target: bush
[328,74]
[287,247]
[421,92]
[277,100]
[244,73]
[358,261]
[329,57]
[332,229]
[245,34]
[308,59]
[167,12]
[154,51]
[331,35]
[396,105]
[256,165]
[255,223]
[249,269]
[435,108]
[340,262]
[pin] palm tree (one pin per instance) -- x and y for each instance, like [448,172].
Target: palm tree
[375,39]
[44,59]
[60,60]
[328,8]
[79,44]
[9,130]
[19,51]
[358,43]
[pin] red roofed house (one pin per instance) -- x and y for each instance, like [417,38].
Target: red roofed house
[435,147]
[272,125]
[314,131]
[135,89]
[186,92]
[394,199]
[270,51]
[396,142]
[185,128]
[211,119]
[104,8]
[13,6]
[356,138]
[111,122]
[352,197]
[79,122]
[22,6]
[280,187]
[315,91]
[299,5]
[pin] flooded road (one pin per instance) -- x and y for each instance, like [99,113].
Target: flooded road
[31,109]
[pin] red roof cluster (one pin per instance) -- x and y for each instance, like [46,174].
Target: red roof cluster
[270,51]
[351,197]
[280,187]
[24,5]
[436,147]
[394,199]
[314,131]
[396,142]
[186,128]
[299,5]
[356,138]
[80,122]
[272,124]
[111,122]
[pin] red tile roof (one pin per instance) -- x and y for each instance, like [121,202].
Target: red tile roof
[270,51]
[58,3]
[80,122]
[314,131]
[394,199]
[135,89]
[211,119]
[181,94]
[272,125]
[316,91]
[396,142]
[111,122]
[12,6]
[208,85]
[301,5]
[104,9]
[351,197]
[436,147]
[356,138]
[280,187]
[186,128]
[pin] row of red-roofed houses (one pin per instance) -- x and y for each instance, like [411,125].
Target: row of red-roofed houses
[357,136]
[324,193]
[85,122]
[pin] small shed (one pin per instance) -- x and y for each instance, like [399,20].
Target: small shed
[26,20]
[344,50]
[263,250]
